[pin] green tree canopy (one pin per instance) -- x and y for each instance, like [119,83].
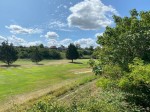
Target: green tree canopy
[36,55]
[72,52]
[8,54]
[130,38]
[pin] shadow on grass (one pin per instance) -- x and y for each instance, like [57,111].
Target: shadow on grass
[5,66]
[40,64]
[76,62]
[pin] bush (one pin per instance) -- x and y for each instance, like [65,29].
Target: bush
[112,71]
[137,83]
[103,101]
[54,54]
[98,70]
[104,83]
[91,62]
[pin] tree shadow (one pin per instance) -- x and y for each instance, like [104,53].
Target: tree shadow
[40,64]
[76,62]
[6,66]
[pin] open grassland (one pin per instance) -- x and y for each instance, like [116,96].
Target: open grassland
[26,77]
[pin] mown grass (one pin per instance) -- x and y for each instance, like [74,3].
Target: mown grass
[55,94]
[28,78]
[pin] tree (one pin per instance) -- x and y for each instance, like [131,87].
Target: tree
[130,38]
[54,54]
[72,52]
[36,55]
[8,54]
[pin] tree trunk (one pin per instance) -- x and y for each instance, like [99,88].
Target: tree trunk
[72,60]
[8,63]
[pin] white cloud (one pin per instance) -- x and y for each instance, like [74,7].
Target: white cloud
[57,24]
[2,39]
[16,29]
[86,42]
[91,15]
[53,42]
[19,41]
[34,43]
[98,34]
[51,35]
[66,42]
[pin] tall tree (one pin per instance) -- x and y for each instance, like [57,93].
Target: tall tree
[72,52]
[8,54]
[36,55]
[130,38]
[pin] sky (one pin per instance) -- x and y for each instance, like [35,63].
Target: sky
[61,22]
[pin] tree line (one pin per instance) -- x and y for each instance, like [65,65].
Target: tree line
[10,53]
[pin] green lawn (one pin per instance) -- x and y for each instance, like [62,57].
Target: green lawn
[28,77]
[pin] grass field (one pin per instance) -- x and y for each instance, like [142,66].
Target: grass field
[25,76]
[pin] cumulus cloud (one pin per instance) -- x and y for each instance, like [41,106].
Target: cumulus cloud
[86,42]
[57,24]
[51,35]
[66,42]
[53,42]
[2,39]
[34,43]
[91,15]
[16,41]
[98,34]
[16,29]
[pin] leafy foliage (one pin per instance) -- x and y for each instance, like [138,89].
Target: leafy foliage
[137,83]
[123,56]
[103,101]
[53,54]
[8,53]
[72,52]
[36,56]
[128,39]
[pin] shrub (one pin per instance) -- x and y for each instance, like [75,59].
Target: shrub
[97,70]
[113,71]
[54,54]
[91,62]
[137,83]
[104,83]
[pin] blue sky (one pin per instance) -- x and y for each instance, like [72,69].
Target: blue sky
[60,22]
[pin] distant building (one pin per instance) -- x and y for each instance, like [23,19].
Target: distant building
[61,47]
[53,47]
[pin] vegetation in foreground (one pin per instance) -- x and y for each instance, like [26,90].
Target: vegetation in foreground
[124,58]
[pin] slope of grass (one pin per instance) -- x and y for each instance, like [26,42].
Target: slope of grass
[23,79]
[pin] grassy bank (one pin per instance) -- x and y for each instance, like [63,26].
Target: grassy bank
[28,77]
